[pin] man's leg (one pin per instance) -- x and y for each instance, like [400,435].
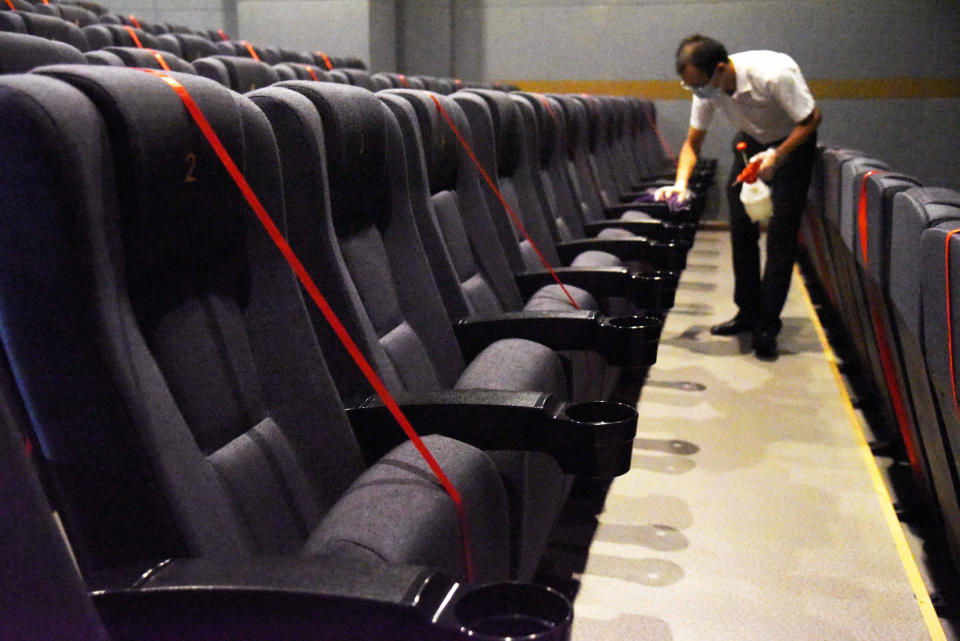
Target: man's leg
[789,186]
[744,237]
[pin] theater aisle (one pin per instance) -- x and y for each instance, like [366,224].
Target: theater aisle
[750,512]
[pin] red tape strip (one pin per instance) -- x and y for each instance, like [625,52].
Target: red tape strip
[953,378]
[862,224]
[326,60]
[10,4]
[503,201]
[136,23]
[324,307]
[133,34]
[663,142]
[250,50]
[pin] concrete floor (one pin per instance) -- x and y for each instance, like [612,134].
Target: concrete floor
[751,511]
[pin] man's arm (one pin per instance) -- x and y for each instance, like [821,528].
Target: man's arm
[797,137]
[685,163]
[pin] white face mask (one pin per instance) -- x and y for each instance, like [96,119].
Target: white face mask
[706,92]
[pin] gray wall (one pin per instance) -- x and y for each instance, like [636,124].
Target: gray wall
[843,42]
[200,14]
[337,27]
[838,40]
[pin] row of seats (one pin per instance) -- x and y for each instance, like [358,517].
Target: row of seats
[878,244]
[233,64]
[185,402]
[88,26]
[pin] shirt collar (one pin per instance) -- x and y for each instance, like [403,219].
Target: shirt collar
[743,79]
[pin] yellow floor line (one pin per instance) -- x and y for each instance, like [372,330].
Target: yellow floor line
[886,503]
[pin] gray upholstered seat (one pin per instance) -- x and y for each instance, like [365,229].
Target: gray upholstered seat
[468,262]
[237,72]
[20,52]
[365,246]
[172,374]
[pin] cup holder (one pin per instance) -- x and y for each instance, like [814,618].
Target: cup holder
[514,612]
[629,322]
[595,438]
[600,412]
[632,340]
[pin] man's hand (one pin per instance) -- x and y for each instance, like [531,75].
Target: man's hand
[677,189]
[769,160]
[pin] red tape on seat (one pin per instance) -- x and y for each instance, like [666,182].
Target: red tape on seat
[136,23]
[403,80]
[311,72]
[656,130]
[223,35]
[503,201]
[323,306]
[10,4]
[250,50]
[160,60]
[862,224]
[326,60]
[133,34]
[893,388]
[953,378]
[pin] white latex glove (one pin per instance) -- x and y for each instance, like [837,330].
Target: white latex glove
[768,163]
[664,193]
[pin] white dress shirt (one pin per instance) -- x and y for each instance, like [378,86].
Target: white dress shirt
[770,99]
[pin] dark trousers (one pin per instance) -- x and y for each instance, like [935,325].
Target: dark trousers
[761,298]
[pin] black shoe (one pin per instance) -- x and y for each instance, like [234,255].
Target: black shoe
[765,344]
[732,327]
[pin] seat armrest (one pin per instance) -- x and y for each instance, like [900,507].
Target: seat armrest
[657,210]
[657,254]
[656,229]
[628,341]
[655,180]
[310,598]
[599,281]
[590,439]
[647,290]
[628,249]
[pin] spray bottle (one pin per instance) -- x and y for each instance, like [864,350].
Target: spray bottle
[755,194]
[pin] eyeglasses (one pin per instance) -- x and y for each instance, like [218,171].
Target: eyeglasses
[693,88]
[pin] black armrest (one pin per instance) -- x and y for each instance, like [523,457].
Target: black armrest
[639,248]
[599,281]
[644,185]
[310,598]
[629,341]
[657,210]
[645,290]
[657,229]
[656,179]
[659,254]
[591,439]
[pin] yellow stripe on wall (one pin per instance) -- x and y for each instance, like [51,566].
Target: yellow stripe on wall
[823,88]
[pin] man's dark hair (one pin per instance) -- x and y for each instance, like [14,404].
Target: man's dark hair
[702,52]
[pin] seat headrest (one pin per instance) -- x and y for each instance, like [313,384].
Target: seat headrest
[247,74]
[181,213]
[507,129]
[55,29]
[354,131]
[441,148]
[20,52]
[134,57]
